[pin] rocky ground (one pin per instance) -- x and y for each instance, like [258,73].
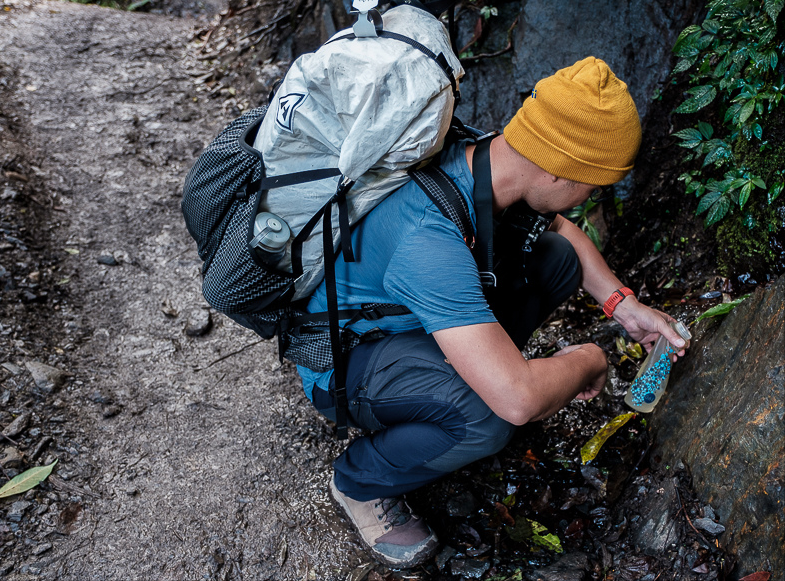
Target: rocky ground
[184,448]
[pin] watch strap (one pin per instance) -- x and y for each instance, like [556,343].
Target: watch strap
[616,297]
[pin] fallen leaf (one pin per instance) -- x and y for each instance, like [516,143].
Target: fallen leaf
[635,350]
[547,540]
[530,459]
[759,576]
[721,309]
[593,446]
[26,480]
[504,514]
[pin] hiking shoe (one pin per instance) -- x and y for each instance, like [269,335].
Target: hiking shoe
[388,529]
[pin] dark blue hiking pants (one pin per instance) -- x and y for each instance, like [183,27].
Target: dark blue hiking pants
[425,421]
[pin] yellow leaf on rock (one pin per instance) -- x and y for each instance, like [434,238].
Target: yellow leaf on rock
[593,446]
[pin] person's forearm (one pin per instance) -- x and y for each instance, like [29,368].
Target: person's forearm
[566,378]
[518,390]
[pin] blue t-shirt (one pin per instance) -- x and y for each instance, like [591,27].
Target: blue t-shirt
[408,253]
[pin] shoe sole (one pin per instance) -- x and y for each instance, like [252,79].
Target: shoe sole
[429,550]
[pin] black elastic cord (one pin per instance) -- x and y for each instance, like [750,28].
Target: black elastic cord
[440,60]
[343,219]
[341,401]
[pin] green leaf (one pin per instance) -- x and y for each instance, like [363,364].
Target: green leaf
[711,26]
[701,96]
[547,540]
[767,36]
[747,109]
[745,194]
[594,445]
[689,135]
[685,44]
[721,309]
[138,4]
[685,64]
[759,183]
[593,234]
[775,191]
[773,8]
[691,138]
[757,130]
[26,480]
[705,129]
[634,350]
[717,211]
[707,201]
[737,183]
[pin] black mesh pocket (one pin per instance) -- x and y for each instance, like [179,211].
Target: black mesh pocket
[234,282]
[211,187]
[309,346]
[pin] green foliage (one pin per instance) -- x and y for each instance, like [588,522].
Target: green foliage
[744,239]
[580,216]
[733,61]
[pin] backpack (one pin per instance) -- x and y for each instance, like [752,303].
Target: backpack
[233,208]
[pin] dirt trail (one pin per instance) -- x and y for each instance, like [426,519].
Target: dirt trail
[188,457]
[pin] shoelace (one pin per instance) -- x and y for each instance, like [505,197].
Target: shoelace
[396,511]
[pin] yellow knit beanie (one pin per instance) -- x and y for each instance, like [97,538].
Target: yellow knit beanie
[580,124]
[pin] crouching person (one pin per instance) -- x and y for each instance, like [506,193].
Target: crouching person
[447,384]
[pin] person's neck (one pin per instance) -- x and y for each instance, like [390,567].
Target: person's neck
[510,172]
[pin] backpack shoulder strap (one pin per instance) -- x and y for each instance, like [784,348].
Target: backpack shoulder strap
[483,207]
[443,192]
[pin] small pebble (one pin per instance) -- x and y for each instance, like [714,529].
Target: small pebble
[199,323]
[18,426]
[42,548]
[108,260]
[708,525]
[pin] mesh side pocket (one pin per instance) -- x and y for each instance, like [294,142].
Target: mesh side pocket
[221,171]
[309,346]
[234,282]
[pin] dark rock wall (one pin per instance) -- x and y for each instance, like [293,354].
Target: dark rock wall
[724,417]
[633,36]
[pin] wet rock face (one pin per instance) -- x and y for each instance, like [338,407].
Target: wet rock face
[723,417]
[634,37]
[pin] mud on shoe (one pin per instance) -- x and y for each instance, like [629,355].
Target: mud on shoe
[389,530]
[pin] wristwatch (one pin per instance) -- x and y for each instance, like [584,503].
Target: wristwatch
[616,297]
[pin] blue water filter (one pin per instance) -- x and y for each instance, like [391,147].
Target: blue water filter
[652,379]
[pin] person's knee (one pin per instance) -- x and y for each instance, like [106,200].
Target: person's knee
[560,268]
[490,435]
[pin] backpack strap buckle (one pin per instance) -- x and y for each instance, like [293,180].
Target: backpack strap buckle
[488,279]
[369,21]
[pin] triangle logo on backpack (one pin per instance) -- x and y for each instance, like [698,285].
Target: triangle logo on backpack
[287,105]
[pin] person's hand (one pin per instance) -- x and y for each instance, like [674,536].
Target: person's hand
[596,381]
[645,324]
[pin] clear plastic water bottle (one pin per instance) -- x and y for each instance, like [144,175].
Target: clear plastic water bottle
[652,379]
